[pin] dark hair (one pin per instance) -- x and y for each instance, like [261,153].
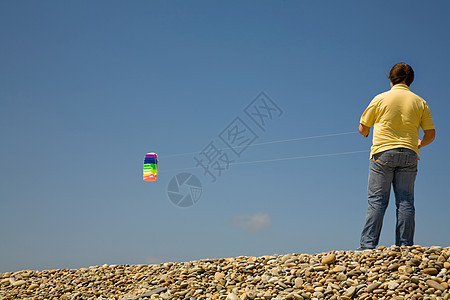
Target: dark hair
[401,73]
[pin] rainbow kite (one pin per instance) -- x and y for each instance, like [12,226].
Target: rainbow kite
[150,167]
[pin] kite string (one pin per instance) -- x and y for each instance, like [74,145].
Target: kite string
[297,157]
[270,142]
[277,159]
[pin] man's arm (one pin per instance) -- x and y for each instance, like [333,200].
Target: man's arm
[428,137]
[364,130]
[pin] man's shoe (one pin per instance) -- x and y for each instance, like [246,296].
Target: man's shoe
[364,249]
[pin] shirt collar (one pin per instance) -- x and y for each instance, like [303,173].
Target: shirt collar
[400,86]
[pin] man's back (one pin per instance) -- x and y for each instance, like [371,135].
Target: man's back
[397,115]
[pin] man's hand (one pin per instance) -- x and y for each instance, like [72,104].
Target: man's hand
[364,130]
[428,137]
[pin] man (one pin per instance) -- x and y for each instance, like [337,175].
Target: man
[396,116]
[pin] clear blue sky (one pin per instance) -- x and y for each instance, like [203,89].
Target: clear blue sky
[88,87]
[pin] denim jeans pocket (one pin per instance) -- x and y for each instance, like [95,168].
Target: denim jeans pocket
[382,158]
[411,160]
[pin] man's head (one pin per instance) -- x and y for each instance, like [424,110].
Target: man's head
[401,73]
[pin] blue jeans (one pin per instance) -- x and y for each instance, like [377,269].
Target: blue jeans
[396,168]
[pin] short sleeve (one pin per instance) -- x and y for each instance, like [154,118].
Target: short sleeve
[427,120]
[369,116]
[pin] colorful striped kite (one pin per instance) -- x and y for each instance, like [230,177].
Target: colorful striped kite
[150,167]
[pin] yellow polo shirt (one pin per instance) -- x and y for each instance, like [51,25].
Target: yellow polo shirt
[396,116]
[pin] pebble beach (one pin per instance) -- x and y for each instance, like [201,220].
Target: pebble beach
[384,273]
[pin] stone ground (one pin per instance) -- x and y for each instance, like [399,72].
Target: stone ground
[385,273]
